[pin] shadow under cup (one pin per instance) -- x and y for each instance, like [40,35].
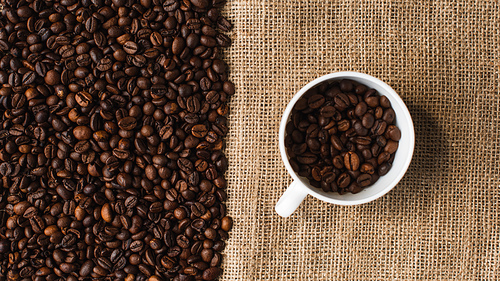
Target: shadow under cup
[402,157]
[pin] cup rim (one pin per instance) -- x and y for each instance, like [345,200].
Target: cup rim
[348,75]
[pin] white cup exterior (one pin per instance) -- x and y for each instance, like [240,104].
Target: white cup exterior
[300,187]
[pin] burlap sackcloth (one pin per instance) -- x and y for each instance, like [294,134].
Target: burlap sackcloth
[442,221]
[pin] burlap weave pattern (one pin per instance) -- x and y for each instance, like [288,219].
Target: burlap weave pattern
[442,221]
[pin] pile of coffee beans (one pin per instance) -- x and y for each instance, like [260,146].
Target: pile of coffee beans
[342,136]
[112,126]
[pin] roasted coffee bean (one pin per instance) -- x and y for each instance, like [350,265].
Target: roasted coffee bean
[367,168]
[392,132]
[343,180]
[364,180]
[316,101]
[130,47]
[342,126]
[379,128]
[384,169]
[307,158]
[351,161]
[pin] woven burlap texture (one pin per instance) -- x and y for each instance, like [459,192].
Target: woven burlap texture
[441,222]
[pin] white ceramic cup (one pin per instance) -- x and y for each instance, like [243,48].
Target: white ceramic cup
[300,186]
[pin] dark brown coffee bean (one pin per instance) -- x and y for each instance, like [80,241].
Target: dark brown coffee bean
[389,116]
[130,47]
[328,111]
[393,133]
[224,24]
[341,102]
[178,45]
[127,123]
[354,188]
[372,101]
[384,169]
[346,85]
[104,64]
[384,102]
[364,180]
[28,78]
[136,246]
[362,140]
[368,120]
[343,180]
[383,157]
[379,128]
[52,77]
[391,146]
[82,133]
[202,4]
[344,125]
[307,158]
[360,109]
[316,101]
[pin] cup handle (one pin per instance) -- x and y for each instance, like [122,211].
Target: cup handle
[291,199]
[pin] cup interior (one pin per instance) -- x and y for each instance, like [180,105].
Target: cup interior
[402,157]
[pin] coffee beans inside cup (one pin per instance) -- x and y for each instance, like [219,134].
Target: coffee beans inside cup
[342,136]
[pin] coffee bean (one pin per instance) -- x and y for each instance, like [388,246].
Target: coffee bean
[223,40]
[344,125]
[52,78]
[389,115]
[384,102]
[346,85]
[130,47]
[199,131]
[127,123]
[341,101]
[360,109]
[343,180]
[28,78]
[328,111]
[178,45]
[82,133]
[384,169]
[364,180]
[224,24]
[136,246]
[351,161]
[171,5]
[383,157]
[367,168]
[368,120]
[379,128]
[107,213]
[307,158]
[393,133]
[316,101]
[202,4]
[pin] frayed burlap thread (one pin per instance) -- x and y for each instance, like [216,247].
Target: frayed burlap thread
[442,221]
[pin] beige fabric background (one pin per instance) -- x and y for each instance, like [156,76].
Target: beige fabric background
[442,221]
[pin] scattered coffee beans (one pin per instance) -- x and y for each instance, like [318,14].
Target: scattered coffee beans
[111,138]
[342,136]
